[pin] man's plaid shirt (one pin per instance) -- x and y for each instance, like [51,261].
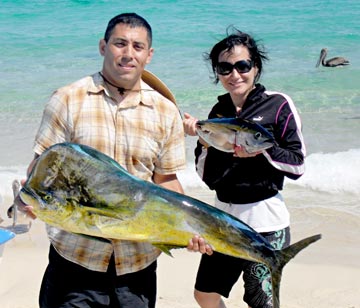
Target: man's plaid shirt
[144,134]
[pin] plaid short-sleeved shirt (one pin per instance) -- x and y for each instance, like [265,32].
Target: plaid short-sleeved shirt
[144,133]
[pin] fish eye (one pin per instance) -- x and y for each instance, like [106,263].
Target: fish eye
[257,135]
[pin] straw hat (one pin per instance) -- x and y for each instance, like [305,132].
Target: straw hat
[157,85]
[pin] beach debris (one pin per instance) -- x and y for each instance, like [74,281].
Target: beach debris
[79,189]
[1,219]
[5,235]
[21,223]
[11,212]
[226,133]
[336,61]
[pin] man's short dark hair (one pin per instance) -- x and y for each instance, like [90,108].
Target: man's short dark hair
[131,19]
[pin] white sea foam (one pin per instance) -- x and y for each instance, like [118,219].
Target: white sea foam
[332,172]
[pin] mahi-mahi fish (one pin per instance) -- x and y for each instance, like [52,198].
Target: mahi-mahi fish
[226,133]
[79,189]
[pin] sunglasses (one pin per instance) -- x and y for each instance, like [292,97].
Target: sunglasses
[225,68]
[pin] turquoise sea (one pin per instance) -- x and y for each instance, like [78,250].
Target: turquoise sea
[47,44]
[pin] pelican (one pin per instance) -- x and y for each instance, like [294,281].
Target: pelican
[336,61]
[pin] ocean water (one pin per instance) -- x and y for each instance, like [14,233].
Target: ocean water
[47,44]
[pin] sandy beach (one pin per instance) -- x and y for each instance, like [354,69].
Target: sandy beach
[41,53]
[323,275]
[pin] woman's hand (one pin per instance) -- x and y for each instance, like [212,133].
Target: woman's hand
[189,123]
[240,151]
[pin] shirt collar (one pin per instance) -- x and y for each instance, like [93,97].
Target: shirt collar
[98,86]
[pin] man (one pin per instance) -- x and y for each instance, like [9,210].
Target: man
[116,112]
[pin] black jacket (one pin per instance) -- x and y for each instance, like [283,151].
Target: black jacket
[245,180]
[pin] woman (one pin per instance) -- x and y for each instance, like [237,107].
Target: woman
[247,185]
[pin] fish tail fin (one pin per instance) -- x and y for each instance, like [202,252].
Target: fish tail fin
[284,256]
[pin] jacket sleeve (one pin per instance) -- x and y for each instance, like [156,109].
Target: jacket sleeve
[289,154]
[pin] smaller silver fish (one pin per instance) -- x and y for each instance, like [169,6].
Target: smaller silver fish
[226,133]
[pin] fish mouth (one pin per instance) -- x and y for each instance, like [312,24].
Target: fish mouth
[27,197]
[20,204]
[203,129]
[199,124]
[208,128]
[19,201]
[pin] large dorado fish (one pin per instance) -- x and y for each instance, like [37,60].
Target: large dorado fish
[78,189]
[225,133]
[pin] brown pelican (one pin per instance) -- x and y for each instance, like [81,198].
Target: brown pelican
[336,61]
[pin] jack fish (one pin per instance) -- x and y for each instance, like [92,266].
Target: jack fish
[78,189]
[225,133]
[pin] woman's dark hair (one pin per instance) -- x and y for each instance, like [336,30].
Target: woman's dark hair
[131,19]
[235,38]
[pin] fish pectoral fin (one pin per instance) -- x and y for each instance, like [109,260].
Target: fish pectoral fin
[99,211]
[166,248]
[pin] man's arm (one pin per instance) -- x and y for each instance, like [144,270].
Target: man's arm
[169,181]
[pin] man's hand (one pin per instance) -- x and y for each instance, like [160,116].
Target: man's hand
[198,244]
